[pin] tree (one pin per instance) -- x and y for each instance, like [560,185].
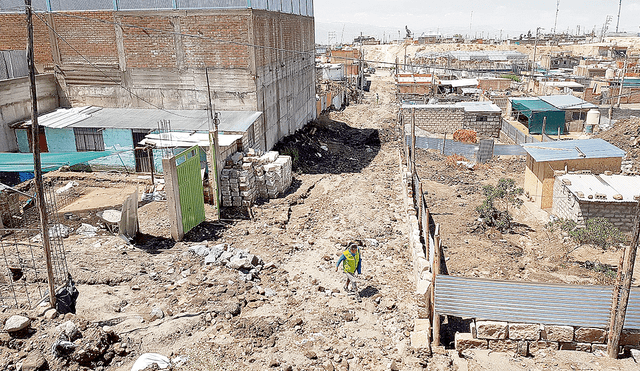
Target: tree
[494,211]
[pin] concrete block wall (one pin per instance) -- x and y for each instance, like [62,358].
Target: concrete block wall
[437,119]
[529,338]
[489,128]
[567,206]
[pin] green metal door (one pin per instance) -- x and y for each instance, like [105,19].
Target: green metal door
[190,188]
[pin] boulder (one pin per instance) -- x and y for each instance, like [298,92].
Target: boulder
[16,323]
[68,329]
[156,313]
[200,250]
[35,362]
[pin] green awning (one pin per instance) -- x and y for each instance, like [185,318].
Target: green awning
[23,162]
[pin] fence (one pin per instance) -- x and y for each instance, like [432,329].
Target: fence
[23,271]
[298,7]
[529,302]
[516,135]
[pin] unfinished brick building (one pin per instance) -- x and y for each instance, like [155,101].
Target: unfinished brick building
[259,55]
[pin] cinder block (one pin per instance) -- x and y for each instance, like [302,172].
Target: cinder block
[630,337]
[590,335]
[503,345]
[419,339]
[536,346]
[557,333]
[492,330]
[524,331]
[464,341]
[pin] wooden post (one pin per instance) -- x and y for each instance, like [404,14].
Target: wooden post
[37,165]
[436,270]
[444,142]
[413,139]
[544,127]
[623,286]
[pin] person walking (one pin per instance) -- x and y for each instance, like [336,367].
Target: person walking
[351,263]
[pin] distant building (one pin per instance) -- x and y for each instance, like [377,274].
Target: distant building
[545,159]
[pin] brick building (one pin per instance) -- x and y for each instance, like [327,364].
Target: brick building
[259,56]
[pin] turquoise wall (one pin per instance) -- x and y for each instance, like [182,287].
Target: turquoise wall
[60,140]
[23,140]
[117,140]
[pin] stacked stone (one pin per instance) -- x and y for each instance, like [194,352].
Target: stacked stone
[245,178]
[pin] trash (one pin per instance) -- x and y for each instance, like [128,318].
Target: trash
[149,359]
[155,196]
[67,187]
[87,230]
[111,216]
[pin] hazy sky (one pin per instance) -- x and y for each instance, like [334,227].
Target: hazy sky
[489,15]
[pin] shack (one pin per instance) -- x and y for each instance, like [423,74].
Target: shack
[545,160]
[533,112]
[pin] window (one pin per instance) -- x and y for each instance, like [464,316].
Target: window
[88,139]
[482,118]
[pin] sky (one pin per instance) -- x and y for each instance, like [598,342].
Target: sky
[375,17]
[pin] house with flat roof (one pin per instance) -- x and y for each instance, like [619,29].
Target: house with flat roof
[580,197]
[545,160]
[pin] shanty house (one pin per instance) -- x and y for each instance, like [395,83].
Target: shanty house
[575,108]
[545,159]
[580,197]
[538,115]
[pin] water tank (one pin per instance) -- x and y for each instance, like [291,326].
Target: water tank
[610,74]
[593,117]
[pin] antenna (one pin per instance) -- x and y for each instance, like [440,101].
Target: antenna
[342,37]
[555,24]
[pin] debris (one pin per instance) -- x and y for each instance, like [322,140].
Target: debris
[200,250]
[87,230]
[35,362]
[156,313]
[67,187]
[149,359]
[69,330]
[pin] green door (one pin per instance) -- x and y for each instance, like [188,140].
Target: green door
[190,188]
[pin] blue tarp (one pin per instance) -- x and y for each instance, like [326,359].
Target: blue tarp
[23,162]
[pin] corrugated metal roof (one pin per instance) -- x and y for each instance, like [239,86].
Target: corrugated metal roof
[173,139]
[531,105]
[476,55]
[479,107]
[138,118]
[607,185]
[572,150]
[528,302]
[567,102]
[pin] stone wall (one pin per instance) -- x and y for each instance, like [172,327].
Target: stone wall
[443,119]
[567,206]
[529,338]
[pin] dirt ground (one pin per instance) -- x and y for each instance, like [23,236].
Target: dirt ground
[297,316]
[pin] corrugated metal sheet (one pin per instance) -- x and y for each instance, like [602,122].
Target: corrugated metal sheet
[136,118]
[567,102]
[568,150]
[549,304]
[13,64]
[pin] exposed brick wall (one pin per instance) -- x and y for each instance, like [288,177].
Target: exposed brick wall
[146,48]
[489,128]
[13,36]
[440,119]
[94,40]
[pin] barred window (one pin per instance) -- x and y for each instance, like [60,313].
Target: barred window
[88,139]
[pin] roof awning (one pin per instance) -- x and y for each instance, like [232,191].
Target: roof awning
[23,162]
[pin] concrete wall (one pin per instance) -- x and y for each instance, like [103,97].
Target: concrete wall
[60,140]
[566,205]
[169,70]
[540,176]
[15,104]
[448,119]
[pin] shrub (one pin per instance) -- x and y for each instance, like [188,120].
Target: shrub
[597,231]
[494,210]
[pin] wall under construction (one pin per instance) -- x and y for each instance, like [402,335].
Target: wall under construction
[257,60]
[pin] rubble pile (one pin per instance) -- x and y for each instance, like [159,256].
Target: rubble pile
[247,177]
[249,265]
[626,135]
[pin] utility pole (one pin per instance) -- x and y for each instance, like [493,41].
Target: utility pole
[555,24]
[618,23]
[37,165]
[535,47]
[624,71]
[621,290]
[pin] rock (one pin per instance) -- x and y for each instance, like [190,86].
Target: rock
[61,347]
[524,331]
[523,348]
[200,250]
[87,230]
[583,347]
[491,330]
[558,333]
[35,362]
[394,366]
[269,293]
[635,354]
[215,253]
[51,313]
[274,362]
[120,349]
[156,313]
[16,323]
[254,260]
[226,256]
[419,340]
[135,287]
[536,346]
[328,366]
[239,263]
[149,359]
[68,329]
[464,341]
[310,354]
[372,242]
[590,335]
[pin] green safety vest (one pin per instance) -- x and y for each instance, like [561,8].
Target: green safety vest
[350,263]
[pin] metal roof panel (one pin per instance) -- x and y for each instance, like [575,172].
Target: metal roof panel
[572,150]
